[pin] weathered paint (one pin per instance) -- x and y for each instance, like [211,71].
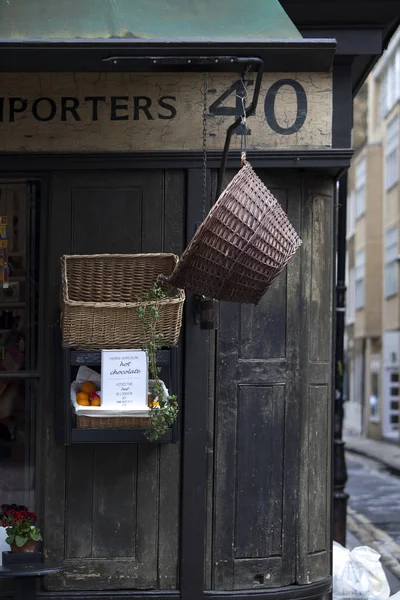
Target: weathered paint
[138,112]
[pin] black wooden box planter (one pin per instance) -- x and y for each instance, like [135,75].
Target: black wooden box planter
[67,432]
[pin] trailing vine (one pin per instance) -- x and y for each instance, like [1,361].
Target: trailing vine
[163,410]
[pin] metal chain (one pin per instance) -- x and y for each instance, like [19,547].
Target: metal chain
[205,110]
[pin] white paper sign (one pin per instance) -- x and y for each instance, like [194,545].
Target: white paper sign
[124,380]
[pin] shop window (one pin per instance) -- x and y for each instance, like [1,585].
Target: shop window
[19,235]
[360,279]
[392,153]
[361,177]
[391,266]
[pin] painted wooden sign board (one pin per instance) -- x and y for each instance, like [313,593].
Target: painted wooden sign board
[96,112]
[124,380]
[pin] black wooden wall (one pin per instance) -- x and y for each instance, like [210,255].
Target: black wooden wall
[112,513]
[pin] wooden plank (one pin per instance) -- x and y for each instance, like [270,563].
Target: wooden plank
[153,212]
[321,299]
[79,508]
[174,211]
[257,573]
[54,457]
[194,437]
[169,505]
[260,456]
[254,343]
[114,497]
[147,516]
[169,457]
[293,404]
[226,445]
[313,557]
[318,434]
[106,220]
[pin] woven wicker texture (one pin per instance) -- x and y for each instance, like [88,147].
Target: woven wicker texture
[242,245]
[112,422]
[100,294]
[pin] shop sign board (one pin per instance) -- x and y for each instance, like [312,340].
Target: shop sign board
[124,380]
[99,112]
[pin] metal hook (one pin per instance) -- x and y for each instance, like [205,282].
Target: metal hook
[243,117]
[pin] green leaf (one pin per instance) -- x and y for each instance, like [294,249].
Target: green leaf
[20,540]
[10,540]
[35,535]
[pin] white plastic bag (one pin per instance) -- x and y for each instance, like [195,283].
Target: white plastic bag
[358,574]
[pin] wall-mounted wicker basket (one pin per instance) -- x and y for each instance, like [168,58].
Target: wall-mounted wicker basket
[100,298]
[112,422]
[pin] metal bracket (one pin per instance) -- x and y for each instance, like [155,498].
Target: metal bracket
[206,313]
[249,111]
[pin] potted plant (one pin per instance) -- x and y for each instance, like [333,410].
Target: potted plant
[163,408]
[20,526]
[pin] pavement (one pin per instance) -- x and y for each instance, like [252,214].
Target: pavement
[387,453]
[373,514]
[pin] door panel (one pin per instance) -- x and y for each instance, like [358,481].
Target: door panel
[273,412]
[116,506]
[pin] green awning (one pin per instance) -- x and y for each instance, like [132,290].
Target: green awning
[145,19]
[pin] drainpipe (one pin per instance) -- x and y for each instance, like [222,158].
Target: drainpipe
[340,496]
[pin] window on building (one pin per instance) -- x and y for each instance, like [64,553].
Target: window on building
[361,175]
[392,153]
[390,85]
[360,279]
[391,266]
[374,396]
[351,297]
[351,214]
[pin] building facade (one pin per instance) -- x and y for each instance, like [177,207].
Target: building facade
[373,216]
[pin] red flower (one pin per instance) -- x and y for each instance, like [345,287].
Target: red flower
[31,516]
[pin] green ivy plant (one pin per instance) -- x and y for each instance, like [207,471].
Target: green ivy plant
[163,411]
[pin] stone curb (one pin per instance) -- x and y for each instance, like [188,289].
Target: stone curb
[377,539]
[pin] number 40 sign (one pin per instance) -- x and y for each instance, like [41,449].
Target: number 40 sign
[236,88]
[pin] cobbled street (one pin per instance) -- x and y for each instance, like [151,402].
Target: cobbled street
[374,510]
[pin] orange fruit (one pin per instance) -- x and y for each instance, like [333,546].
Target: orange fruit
[88,387]
[95,399]
[83,399]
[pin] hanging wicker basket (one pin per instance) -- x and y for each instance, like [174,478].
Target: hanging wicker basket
[241,247]
[101,295]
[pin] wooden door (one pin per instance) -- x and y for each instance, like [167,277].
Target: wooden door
[112,511]
[271,473]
